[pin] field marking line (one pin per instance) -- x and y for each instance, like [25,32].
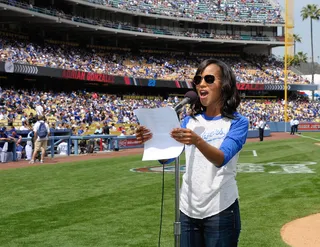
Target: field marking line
[254,153]
[309,137]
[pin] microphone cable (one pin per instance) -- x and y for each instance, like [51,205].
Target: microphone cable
[161,207]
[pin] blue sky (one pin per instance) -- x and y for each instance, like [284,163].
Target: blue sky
[303,29]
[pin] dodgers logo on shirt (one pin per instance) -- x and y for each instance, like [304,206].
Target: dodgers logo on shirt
[213,135]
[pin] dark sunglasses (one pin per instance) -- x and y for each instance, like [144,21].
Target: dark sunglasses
[207,78]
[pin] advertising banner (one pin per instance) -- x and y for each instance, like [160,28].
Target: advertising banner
[309,127]
[105,79]
[87,76]
[128,143]
[250,86]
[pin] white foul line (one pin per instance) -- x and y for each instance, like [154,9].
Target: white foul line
[254,153]
[309,137]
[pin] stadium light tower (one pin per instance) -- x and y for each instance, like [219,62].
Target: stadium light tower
[288,51]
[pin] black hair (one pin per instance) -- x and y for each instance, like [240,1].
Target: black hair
[230,98]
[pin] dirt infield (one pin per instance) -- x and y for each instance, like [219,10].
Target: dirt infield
[72,158]
[125,152]
[298,233]
[302,232]
[274,136]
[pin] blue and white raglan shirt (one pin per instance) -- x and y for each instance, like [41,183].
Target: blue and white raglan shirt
[206,189]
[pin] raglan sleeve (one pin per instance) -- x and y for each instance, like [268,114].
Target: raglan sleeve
[235,138]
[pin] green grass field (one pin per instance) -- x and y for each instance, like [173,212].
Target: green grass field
[103,203]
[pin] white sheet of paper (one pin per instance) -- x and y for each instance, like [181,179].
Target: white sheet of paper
[160,121]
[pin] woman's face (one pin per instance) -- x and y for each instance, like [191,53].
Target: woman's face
[210,94]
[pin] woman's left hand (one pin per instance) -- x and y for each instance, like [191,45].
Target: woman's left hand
[185,136]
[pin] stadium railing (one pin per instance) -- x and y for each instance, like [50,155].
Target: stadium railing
[116,143]
[125,142]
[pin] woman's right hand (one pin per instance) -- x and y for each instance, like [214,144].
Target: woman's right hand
[143,134]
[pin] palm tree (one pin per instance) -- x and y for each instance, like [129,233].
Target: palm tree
[296,39]
[299,58]
[313,12]
[302,57]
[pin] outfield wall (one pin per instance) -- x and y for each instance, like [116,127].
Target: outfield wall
[114,143]
[255,133]
[285,127]
[124,142]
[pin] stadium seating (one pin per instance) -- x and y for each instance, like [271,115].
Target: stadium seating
[75,107]
[194,33]
[257,11]
[107,109]
[260,69]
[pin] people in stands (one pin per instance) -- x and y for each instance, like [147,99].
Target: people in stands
[52,127]
[24,118]
[41,134]
[113,127]
[80,131]
[237,10]
[39,109]
[32,119]
[123,132]
[74,130]
[120,128]
[98,130]
[132,130]
[248,69]
[106,128]
[24,126]
[59,126]
[70,109]
[86,130]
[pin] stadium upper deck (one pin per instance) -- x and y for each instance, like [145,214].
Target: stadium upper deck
[147,28]
[241,11]
[70,23]
[143,64]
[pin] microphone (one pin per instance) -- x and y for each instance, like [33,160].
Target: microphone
[189,97]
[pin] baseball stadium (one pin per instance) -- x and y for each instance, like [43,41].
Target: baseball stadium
[77,70]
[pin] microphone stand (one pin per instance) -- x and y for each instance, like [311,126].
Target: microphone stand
[177,223]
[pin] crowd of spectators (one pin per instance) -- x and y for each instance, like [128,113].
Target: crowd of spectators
[82,109]
[253,11]
[88,113]
[274,110]
[147,64]
[69,110]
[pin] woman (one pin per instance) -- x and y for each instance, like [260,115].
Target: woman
[214,134]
